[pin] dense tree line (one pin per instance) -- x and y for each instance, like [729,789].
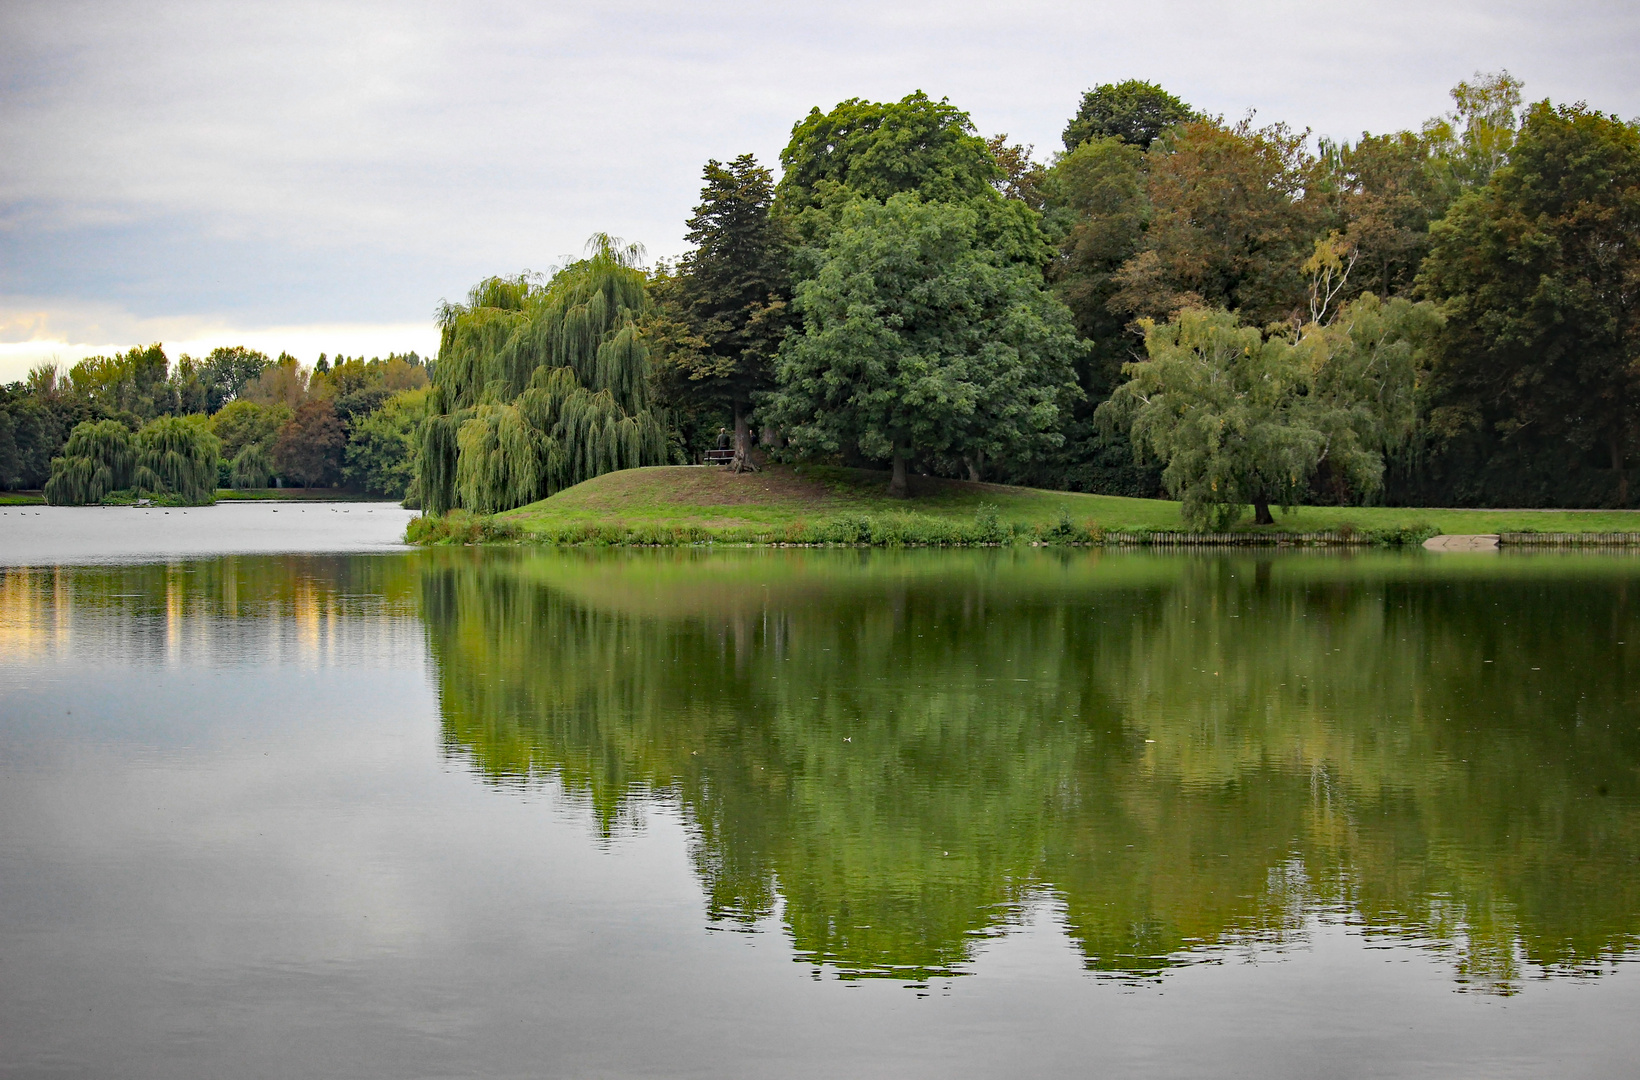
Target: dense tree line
[136,425]
[1234,314]
[1231,313]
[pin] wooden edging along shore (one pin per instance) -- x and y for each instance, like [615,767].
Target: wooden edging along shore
[1173,539]
[1584,539]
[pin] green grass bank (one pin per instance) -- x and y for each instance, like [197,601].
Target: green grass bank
[830,505]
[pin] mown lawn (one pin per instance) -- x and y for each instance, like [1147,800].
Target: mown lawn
[783,496]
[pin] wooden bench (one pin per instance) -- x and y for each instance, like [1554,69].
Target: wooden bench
[720,457]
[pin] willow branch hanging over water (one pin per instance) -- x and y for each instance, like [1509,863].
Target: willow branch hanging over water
[539,387]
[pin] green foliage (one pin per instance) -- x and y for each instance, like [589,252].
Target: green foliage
[380,455]
[358,386]
[34,427]
[457,527]
[539,387]
[584,319]
[226,372]
[1098,208]
[1136,112]
[282,384]
[878,149]
[251,468]
[247,397]
[1364,371]
[918,340]
[1474,140]
[725,309]
[1233,217]
[177,456]
[1536,273]
[99,458]
[435,486]
[134,381]
[243,423]
[1386,190]
[11,461]
[1239,418]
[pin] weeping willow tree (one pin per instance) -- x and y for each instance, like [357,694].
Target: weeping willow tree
[98,458]
[169,456]
[252,467]
[539,387]
[176,457]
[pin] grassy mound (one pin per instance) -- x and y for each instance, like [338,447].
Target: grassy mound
[822,504]
[782,498]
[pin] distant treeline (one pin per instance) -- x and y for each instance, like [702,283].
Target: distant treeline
[118,427]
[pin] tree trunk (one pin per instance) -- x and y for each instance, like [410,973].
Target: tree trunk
[1261,512]
[743,430]
[973,470]
[743,442]
[1622,473]
[897,486]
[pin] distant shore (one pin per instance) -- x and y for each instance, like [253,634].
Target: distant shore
[38,535]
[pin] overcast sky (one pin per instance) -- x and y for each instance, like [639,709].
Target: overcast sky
[318,176]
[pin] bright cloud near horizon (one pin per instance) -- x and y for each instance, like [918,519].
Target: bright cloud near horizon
[317,176]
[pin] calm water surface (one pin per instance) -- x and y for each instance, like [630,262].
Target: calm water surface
[764,813]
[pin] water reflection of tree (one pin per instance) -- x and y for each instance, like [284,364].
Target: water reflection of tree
[244,606]
[1185,754]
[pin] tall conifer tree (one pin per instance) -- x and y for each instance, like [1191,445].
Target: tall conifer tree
[728,301]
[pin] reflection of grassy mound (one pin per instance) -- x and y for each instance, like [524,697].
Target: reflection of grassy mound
[905,747]
[811,502]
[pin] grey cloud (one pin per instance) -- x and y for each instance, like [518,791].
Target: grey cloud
[270,163]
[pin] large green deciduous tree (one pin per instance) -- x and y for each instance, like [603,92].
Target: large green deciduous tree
[873,150]
[31,434]
[727,304]
[247,432]
[1539,276]
[918,339]
[1135,111]
[1239,418]
[381,448]
[227,371]
[878,149]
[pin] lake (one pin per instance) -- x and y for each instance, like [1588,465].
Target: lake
[382,813]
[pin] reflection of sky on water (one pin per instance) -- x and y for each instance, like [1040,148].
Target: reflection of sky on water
[91,535]
[239,831]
